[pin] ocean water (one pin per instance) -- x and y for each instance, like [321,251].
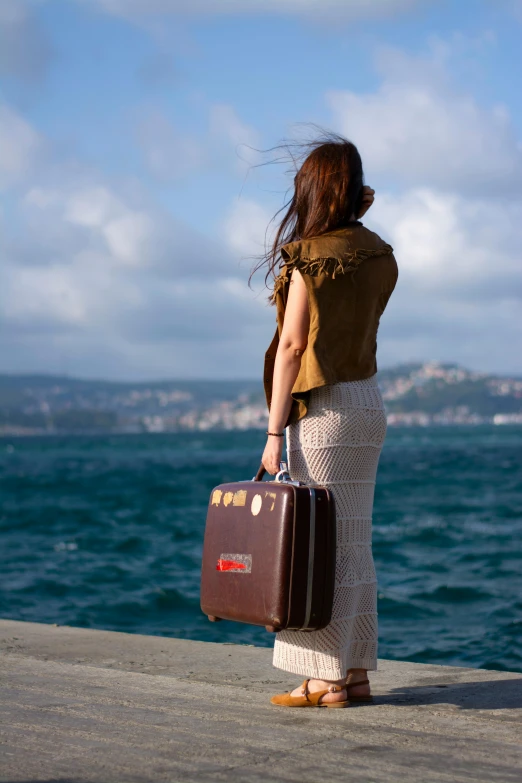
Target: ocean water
[107,532]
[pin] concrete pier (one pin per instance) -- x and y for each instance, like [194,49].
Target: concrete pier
[81,706]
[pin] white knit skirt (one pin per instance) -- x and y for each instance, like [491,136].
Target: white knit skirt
[338,444]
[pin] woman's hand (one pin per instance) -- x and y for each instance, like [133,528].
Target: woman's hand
[367,200]
[272,454]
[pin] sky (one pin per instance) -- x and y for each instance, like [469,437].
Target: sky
[139,179]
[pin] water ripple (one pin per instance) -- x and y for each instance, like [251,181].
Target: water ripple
[107,533]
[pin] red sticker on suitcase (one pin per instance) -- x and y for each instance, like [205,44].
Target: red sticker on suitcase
[236,563]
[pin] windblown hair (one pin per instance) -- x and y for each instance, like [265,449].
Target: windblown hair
[328,190]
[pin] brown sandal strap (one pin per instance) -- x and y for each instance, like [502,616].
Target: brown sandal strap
[304,689]
[355,684]
[315,697]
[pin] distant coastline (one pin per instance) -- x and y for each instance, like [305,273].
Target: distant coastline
[415,395]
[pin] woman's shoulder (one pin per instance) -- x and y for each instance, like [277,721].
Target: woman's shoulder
[334,251]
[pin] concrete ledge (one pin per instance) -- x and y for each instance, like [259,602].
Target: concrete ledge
[81,706]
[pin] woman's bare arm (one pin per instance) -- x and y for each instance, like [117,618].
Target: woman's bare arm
[292,342]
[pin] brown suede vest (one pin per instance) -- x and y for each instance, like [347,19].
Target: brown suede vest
[350,274]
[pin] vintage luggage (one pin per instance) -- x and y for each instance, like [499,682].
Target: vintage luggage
[269,553]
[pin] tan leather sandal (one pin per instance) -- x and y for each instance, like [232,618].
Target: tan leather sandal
[308,699]
[368,698]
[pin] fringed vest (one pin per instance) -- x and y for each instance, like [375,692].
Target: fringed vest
[349,274]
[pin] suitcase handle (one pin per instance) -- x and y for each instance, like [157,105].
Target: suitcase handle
[260,473]
[282,475]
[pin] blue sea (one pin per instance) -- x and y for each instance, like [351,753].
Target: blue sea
[107,532]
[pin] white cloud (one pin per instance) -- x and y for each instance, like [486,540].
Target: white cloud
[246,226]
[128,238]
[95,274]
[92,207]
[417,129]
[129,230]
[151,312]
[454,245]
[459,292]
[126,234]
[42,298]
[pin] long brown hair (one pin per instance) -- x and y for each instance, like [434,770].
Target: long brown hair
[328,190]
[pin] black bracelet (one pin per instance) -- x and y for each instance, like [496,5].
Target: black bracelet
[279,434]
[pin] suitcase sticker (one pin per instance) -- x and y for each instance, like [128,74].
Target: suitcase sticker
[235,563]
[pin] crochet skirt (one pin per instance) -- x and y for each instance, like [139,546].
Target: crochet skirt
[338,444]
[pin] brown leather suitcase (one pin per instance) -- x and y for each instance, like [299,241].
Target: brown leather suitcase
[269,553]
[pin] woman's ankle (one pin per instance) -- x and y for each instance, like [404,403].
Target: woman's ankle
[338,692]
[318,684]
[356,675]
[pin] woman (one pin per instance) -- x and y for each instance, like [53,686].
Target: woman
[321,385]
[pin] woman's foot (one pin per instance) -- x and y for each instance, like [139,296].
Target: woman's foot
[321,685]
[354,676]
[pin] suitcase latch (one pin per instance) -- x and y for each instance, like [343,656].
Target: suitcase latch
[283,476]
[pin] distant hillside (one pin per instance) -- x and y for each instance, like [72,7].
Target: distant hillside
[33,404]
[429,393]
[433,387]
[28,391]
